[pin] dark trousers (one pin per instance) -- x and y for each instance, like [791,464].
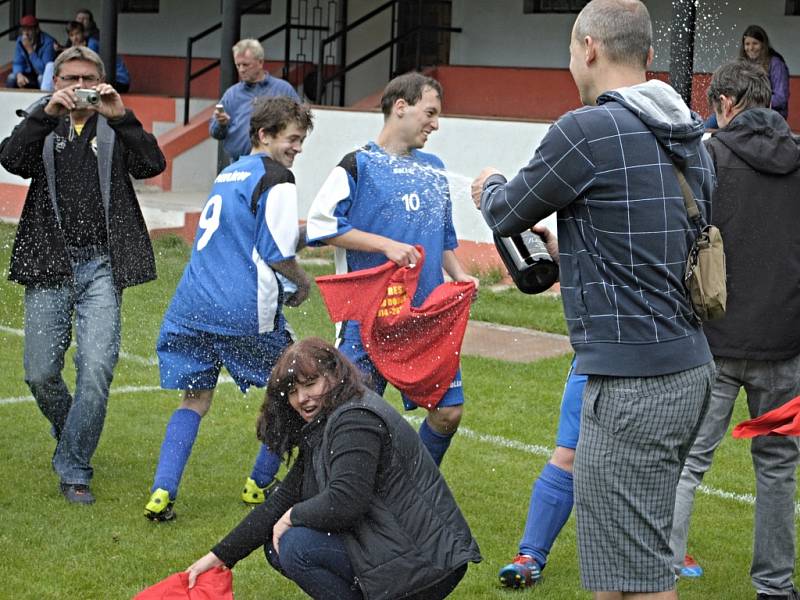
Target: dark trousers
[318,562]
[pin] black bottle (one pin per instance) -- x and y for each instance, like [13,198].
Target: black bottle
[528,262]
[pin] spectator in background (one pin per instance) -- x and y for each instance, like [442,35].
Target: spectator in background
[232,123]
[33,51]
[756,48]
[77,37]
[85,17]
[81,240]
[756,346]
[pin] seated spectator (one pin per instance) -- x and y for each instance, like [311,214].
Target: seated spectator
[363,512]
[77,37]
[34,49]
[85,17]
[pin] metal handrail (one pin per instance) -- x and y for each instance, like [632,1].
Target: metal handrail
[393,41]
[191,75]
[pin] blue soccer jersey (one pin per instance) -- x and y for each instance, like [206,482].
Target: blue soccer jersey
[404,198]
[249,222]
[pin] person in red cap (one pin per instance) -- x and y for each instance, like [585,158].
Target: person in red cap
[34,50]
[756,346]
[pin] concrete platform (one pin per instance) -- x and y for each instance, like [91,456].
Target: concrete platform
[513,344]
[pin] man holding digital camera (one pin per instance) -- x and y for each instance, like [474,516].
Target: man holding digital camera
[81,240]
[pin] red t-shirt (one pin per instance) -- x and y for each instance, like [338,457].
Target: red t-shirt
[416,349]
[215,584]
[784,420]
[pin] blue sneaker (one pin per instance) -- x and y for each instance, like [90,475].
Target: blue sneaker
[690,567]
[524,571]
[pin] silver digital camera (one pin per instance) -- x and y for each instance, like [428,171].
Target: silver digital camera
[84,98]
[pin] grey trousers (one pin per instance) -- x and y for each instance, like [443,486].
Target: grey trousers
[768,385]
[635,435]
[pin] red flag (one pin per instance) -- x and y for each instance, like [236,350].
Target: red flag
[784,420]
[215,584]
[416,349]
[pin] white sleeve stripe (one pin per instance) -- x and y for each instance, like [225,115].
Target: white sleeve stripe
[321,221]
[280,214]
[266,294]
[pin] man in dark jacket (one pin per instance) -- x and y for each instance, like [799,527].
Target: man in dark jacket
[757,344]
[81,239]
[624,236]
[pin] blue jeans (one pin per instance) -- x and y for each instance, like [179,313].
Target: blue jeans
[95,302]
[316,561]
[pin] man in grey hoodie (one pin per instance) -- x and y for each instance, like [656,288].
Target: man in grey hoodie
[608,169]
[756,346]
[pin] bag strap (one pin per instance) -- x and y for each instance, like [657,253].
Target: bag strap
[689,201]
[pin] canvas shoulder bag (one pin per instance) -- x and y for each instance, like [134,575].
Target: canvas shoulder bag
[704,278]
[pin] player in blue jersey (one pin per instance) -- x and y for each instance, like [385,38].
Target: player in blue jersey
[552,494]
[227,308]
[380,201]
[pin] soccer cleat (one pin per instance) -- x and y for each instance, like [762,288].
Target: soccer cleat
[524,571]
[252,494]
[159,508]
[690,567]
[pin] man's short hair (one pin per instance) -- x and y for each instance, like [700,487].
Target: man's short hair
[622,27]
[744,82]
[274,114]
[254,46]
[80,53]
[409,87]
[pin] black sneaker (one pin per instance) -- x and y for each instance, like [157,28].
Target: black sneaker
[793,595]
[77,493]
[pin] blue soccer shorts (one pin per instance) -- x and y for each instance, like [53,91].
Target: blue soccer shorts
[351,346]
[569,423]
[191,359]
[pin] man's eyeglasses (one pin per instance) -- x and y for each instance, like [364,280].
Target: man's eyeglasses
[76,78]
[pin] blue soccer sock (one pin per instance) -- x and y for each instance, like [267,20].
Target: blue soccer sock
[551,504]
[175,450]
[436,443]
[266,467]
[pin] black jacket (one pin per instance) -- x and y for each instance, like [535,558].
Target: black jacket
[124,149]
[400,523]
[757,209]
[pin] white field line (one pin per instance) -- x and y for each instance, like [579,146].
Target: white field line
[493,440]
[140,360]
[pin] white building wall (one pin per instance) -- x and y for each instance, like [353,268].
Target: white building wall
[461,143]
[497,33]
[494,33]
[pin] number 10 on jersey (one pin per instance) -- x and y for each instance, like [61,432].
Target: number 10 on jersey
[412,201]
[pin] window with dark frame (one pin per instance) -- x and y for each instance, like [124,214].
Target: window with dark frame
[792,8]
[530,7]
[253,7]
[139,6]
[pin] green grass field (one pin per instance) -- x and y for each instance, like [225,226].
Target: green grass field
[52,550]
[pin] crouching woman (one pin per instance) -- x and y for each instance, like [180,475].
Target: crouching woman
[363,511]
